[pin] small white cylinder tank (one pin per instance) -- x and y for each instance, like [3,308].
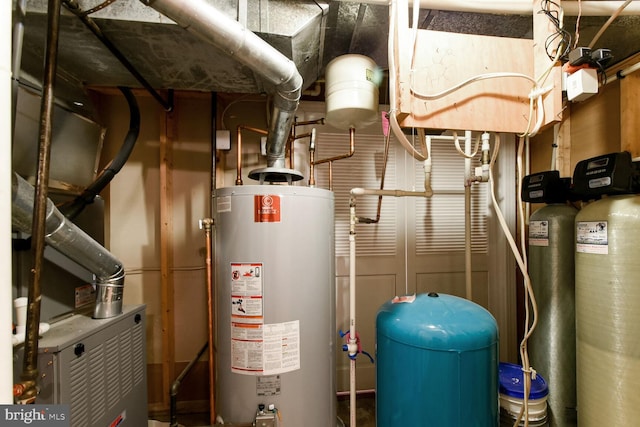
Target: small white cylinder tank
[351,91]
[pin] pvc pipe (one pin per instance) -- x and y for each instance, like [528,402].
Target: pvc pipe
[622,73]
[352,344]
[467,216]
[6,348]
[18,38]
[352,312]
[521,7]
[393,120]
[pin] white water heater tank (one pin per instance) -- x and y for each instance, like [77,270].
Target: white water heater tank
[351,91]
[275,305]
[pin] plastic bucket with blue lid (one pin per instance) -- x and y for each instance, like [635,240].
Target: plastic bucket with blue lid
[512,395]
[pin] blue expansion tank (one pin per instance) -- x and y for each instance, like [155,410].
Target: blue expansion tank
[437,363]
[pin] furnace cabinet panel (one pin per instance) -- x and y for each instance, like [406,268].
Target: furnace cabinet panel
[98,367]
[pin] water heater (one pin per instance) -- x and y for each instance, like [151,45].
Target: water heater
[437,363]
[552,350]
[275,305]
[607,315]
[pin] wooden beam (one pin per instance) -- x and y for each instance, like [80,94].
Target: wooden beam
[542,29]
[629,112]
[563,155]
[445,60]
[167,136]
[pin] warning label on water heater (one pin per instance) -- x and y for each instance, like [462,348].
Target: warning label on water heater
[246,292]
[539,233]
[265,349]
[258,348]
[592,237]
[266,208]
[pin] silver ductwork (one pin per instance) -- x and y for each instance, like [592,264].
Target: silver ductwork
[77,245]
[205,21]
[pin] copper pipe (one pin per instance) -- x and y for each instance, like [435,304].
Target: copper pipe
[207,225]
[30,363]
[310,122]
[364,220]
[239,157]
[331,176]
[293,137]
[352,149]
[290,143]
[330,160]
[292,140]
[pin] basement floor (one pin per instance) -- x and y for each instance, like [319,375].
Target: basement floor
[365,414]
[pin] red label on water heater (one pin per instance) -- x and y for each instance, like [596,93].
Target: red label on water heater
[266,208]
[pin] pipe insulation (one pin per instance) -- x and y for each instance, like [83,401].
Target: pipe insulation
[70,240]
[205,21]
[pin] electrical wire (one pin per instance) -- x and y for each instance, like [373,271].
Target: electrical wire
[538,90]
[577,36]
[520,258]
[547,7]
[456,142]
[393,119]
[606,24]
[464,83]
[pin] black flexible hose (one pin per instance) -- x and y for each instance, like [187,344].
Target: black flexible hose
[77,205]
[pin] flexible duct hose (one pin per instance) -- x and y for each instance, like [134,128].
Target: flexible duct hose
[73,208]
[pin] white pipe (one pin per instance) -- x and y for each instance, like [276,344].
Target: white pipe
[352,344]
[391,193]
[467,215]
[521,7]
[393,120]
[6,348]
[622,73]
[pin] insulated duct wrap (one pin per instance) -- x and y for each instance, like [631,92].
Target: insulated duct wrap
[213,26]
[552,351]
[607,315]
[70,240]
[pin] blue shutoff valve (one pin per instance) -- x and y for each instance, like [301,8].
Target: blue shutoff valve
[346,347]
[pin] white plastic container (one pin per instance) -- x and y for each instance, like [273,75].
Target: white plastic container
[351,91]
[512,395]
